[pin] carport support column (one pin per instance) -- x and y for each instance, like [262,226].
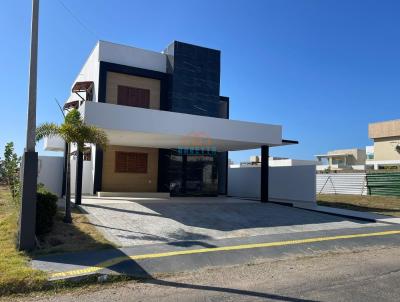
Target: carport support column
[264,173]
[78,180]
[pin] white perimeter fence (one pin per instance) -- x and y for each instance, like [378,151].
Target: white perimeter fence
[342,183]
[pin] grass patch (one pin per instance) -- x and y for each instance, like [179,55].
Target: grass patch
[79,236]
[385,205]
[16,275]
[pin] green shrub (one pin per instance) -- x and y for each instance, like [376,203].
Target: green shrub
[46,210]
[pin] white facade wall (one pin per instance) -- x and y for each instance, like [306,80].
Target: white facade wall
[286,184]
[132,56]
[50,173]
[130,126]
[89,72]
[87,177]
[54,143]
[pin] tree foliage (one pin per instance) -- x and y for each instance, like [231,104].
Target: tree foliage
[10,169]
[73,130]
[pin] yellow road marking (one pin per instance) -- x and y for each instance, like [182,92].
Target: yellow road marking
[114,261]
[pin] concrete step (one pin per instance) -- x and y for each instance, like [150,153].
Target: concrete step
[134,194]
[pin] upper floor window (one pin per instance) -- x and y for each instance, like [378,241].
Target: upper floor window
[135,97]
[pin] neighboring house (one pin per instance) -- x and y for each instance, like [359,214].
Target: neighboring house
[255,161]
[339,160]
[386,150]
[167,124]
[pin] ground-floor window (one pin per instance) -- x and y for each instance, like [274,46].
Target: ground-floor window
[130,162]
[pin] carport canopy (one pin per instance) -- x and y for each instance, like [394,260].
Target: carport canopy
[132,126]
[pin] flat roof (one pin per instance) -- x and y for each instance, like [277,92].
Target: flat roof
[334,155]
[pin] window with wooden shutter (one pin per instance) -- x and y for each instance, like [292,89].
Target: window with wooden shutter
[130,162]
[134,97]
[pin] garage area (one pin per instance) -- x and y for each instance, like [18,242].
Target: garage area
[198,220]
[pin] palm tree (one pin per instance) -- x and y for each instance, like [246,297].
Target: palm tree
[73,130]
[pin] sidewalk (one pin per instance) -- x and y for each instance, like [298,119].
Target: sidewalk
[149,260]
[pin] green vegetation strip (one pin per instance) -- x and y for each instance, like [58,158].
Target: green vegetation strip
[385,205]
[15,273]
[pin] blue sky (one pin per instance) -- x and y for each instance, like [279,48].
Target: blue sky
[322,69]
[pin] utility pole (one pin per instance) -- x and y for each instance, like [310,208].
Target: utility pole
[29,165]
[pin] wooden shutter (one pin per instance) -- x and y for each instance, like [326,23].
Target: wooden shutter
[137,162]
[134,97]
[120,162]
[130,162]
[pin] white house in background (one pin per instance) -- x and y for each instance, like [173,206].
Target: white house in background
[255,161]
[340,160]
[168,126]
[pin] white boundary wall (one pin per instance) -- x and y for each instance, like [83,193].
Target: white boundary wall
[286,184]
[50,173]
[342,183]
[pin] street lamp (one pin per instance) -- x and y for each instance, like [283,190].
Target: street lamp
[29,165]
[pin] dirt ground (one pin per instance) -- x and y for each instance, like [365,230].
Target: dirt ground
[386,205]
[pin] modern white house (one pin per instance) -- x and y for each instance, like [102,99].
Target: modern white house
[342,160]
[168,126]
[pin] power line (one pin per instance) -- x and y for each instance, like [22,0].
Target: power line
[79,21]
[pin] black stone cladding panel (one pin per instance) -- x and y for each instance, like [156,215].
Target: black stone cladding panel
[194,80]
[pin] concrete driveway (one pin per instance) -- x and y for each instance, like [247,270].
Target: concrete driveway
[132,222]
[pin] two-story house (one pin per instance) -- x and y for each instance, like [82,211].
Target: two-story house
[168,126]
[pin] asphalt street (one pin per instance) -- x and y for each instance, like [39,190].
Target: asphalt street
[349,274]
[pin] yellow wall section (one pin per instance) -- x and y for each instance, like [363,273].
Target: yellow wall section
[129,182]
[114,79]
[384,148]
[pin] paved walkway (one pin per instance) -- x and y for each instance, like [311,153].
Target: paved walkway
[131,222]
